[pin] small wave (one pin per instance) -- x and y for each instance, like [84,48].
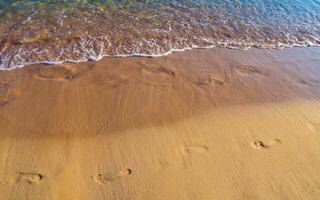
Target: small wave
[86,58]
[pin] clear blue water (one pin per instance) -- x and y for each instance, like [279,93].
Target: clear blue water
[54,31]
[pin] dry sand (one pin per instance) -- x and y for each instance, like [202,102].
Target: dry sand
[204,124]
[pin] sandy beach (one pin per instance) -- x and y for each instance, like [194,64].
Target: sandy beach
[204,124]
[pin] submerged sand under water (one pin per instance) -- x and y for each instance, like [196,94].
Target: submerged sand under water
[33,32]
[202,124]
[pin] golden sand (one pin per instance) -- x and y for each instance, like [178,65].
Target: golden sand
[202,124]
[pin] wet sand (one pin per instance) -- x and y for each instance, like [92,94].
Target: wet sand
[201,124]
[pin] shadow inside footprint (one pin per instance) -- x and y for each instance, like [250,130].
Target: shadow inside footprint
[305,83]
[109,178]
[210,81]
[302,82]
[166,71]
[30,178]
[260,145]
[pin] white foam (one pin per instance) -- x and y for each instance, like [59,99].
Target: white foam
[90,55]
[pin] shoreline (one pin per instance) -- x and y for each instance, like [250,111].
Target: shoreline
[93,58]
[200,124]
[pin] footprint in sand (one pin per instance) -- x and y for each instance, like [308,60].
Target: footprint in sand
[314,127]
[4,93]
[188,150]
[302,82]
[305,83]
[210,81]
[109,178]
[117,81]
[54,72]
[260,145]
[30,178]
[162,164]
[263,146]
[166,71]
[248,70]
[7,92]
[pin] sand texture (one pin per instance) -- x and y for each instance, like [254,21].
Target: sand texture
[206,124]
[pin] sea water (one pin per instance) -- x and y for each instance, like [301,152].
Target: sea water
[55,31]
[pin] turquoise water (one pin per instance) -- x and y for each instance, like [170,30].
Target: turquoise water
[55,31]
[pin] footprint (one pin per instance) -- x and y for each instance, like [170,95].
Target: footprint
[109,178]
[54,72]
[187,150]
[30,178]
[162,164]
[4,93]
[210,81]
[248,70]
[166,71]
[302,82]
[275,141]
[8,92]
[153,70]
[305,83]
[314,127]
[105,125]
[4,183]
[117,81]
[262,145]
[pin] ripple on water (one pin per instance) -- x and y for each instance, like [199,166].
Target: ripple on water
[59,31]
